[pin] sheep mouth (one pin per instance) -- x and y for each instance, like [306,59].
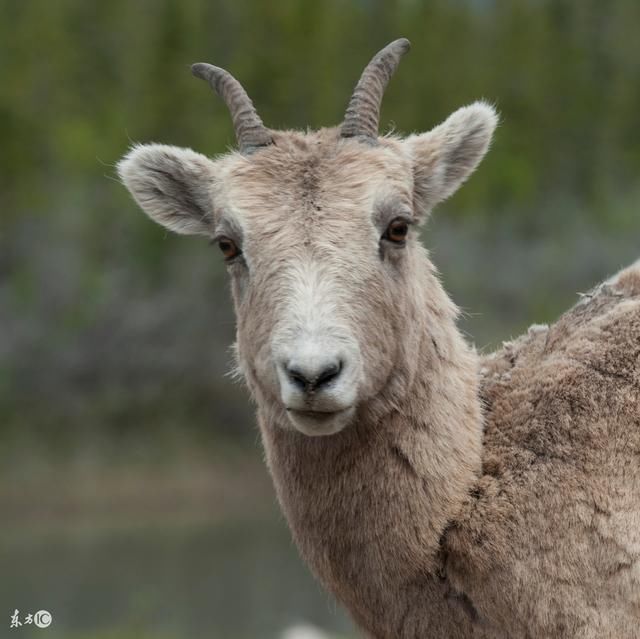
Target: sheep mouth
[316,423]
[320,414]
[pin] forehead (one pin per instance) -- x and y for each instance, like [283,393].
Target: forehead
[316,176]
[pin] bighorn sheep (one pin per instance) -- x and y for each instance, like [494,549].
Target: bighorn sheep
[434,492]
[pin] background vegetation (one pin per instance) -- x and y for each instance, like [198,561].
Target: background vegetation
[132,493]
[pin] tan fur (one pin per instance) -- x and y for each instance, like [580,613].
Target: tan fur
[427,516]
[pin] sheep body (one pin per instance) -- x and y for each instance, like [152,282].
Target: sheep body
[546,539]
[550,544]
[434,492]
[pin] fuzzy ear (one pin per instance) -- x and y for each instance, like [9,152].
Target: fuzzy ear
[446,156]
[171,185]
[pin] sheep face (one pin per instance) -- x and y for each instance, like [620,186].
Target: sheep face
[321,284]
[319,235]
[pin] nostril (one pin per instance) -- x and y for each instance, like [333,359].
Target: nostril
[328,374]
[309,380]
[298,378]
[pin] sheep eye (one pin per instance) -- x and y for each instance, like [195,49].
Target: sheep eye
[397,231]
[228,248]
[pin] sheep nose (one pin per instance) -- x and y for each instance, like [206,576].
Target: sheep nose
[313,376]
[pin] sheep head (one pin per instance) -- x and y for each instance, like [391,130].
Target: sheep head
[318,233]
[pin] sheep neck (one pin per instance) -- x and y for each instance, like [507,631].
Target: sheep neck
[368,507]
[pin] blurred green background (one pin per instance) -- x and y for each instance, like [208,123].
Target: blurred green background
[133,497]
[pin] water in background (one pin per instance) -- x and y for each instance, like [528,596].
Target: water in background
[238,580]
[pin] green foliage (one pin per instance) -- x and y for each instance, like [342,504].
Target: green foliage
[82,79]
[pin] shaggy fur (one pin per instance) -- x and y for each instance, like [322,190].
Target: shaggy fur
[468,497]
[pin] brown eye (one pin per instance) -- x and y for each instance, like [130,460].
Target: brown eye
[228,248]
[397,231]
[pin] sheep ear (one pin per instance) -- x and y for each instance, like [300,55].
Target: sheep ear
[446,156]
[171,185]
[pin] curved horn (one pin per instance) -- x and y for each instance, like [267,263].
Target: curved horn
[250,132]
[363,112]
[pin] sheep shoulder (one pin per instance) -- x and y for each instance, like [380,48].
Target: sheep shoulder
[552,530]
